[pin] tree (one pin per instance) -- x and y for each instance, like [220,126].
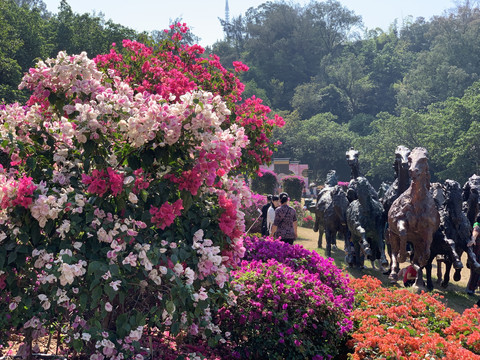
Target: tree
[450,65]
[10,44]
[75,33]
[389,131]
[319,142]
[120,205]
[349,74]
[285,44]
[312,98]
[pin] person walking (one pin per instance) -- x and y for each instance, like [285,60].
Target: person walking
[271,212]
[285,223]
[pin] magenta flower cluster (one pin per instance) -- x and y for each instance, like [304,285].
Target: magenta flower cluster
[299,259]
[292,303]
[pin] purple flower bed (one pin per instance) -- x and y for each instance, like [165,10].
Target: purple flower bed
[299,259]
[292,304]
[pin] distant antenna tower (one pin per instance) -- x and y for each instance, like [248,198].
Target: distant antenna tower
[227,12]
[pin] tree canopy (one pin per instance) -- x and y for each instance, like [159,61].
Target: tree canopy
[414,83]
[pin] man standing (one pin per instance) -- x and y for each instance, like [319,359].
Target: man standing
[264,215]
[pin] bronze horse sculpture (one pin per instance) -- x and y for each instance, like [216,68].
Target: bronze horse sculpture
[402,178]
[364,220]
[330,213]
[399,185]
[453,234]
[413,217]
[471,191]
[352,156]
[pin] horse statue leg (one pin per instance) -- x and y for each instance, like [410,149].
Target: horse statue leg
[321,231]
[419,281]
[394,242]
[329,234]
[402,237]
[428,270]
[439,271]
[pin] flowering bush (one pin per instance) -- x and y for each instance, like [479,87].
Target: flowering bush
[307,221]
[172,70]
[294,186]
[265,183]
[394,324]
[282,313]
[466,329]
[252,213]
[300,210]
[293,304]
[300,259]
[119,208]
[164,346]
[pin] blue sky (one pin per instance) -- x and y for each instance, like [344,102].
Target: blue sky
[202,15]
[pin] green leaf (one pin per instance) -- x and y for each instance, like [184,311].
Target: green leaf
[86,164]
[109,291]
[134,162]
[144,195]
[94,266]
[96,295]
[49,227]
[88,147]
[83,300]
[148,157]
[121,204]
[205,223]
[3,256]
[123,327]
[78,345]
[187,200]
[170,307]
[31,163]
[35,233]
[114,269]
[175,329]
[12,257]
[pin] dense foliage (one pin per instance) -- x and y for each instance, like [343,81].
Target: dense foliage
[294,186]
[266,182]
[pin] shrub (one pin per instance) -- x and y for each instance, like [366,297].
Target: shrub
[308,221]
[299,259]
[466,329]
[283,313]
[394,324]
[295,304]
[265,183]
[119,202]
[294,186]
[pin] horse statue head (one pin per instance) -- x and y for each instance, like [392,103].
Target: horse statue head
[400,165]
[352,161]
[363,189]
[453,196]
[331,179]
[418,169]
